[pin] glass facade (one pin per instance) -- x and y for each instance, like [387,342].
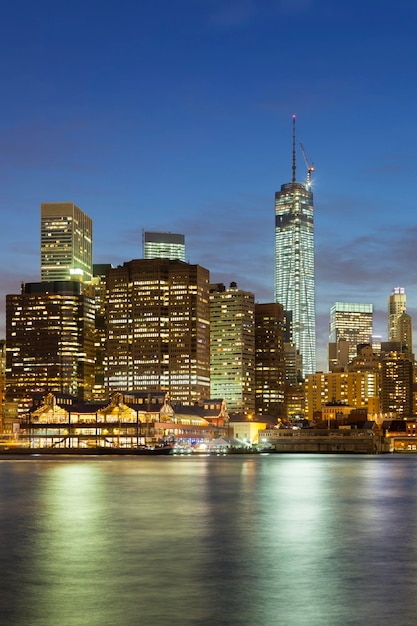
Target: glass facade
[66,242]
[163,246]
[294,266]
[351,321]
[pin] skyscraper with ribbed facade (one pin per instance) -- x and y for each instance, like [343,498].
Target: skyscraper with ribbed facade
[294,261]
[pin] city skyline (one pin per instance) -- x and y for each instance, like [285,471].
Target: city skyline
[182,123]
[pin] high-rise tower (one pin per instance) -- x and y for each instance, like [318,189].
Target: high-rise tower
[232,347]
[50,342]
[66,242]
[294,260]
[158,328]
[352,322]
[397,305]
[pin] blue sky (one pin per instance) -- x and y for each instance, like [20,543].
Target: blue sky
[176,116]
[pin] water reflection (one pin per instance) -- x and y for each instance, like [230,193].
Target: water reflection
[287,540]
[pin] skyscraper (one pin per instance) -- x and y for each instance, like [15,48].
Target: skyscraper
[232,347]
[269,360]
[294,261]
[163,246]
[158,329]
[66,242]
[397,304]
[50,341]
[352,322]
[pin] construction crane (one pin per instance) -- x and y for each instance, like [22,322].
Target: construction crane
[309,166]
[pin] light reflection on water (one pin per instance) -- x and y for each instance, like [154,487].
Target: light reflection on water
[270,540]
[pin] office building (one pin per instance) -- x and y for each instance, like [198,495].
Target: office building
[400,325]
[232,347]
[359,390]
[163,246]
[66,242]
[294,261]
[269,360]
[158,329]
[352,322]
[397,384]
[49,342]
[98,290]
[397,304]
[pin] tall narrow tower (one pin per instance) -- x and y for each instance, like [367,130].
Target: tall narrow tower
[397,305]
[294,261]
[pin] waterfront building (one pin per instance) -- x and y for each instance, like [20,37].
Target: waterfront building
[66,242]
[49,342]
[163,246]
[232,347]
[158,328]
[269,360]
[294,261]
[128,420]
[352,322]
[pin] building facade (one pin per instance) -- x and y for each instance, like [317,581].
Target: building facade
[163,246]
[397,377]
[50,342]
[269,360]
[294,263]
[232,347]
[397,305]
[158,329]
[352,322]
[66,242]
[355,389]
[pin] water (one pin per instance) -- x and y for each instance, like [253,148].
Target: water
[257,540]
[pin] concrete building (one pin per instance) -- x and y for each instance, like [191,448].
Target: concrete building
[49,343]
[269,360]
[66,242]
[294,261]
[352,322]
[355,389]
[232,347]
[158,329]
[163,246]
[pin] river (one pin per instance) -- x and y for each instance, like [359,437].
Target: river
[274,540]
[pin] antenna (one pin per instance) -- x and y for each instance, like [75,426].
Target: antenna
[294,165]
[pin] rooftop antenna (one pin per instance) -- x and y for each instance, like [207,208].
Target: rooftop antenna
[293,151]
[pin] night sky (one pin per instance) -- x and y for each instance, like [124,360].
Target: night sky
[176,115]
